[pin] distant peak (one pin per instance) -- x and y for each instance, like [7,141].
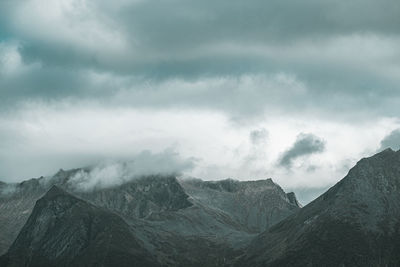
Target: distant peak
[293,199]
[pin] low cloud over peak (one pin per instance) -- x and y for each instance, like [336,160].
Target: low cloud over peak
[114,173]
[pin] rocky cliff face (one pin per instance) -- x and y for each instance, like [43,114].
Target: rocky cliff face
[355,223]
[66,231]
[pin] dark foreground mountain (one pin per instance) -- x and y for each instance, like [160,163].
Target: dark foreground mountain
[16,204]
[66,231]
[355,223]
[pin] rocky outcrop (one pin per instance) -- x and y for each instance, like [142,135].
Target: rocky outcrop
[293,199]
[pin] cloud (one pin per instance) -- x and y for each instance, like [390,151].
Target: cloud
[114,173]
[258,136]
[391,141]
[239,58]
[305,145]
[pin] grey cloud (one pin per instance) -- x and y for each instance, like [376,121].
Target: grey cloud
[196,42]
[167,30]
[391,141]
[258,136]
[182,23]
[306,144]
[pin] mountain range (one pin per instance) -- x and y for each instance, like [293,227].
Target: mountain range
[162,220]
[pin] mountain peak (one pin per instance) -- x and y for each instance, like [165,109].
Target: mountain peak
[65,231]
[388,150]
[54,191]
[384,154]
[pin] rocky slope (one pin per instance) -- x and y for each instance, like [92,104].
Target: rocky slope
[355,223]
[66,231]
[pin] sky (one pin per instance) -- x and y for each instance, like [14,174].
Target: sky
[296,91]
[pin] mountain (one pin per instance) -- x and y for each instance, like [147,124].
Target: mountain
[16,204]
[162,220]
[66,231]
[254,204]
[165,214]
[140,198]
[355,223]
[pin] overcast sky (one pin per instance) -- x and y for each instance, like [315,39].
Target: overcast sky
[293,90]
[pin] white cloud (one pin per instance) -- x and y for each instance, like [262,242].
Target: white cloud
[11,63]
[114,173]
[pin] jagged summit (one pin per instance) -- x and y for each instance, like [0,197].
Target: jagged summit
[293,199]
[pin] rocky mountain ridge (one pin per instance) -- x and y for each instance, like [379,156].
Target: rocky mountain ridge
[157,207]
